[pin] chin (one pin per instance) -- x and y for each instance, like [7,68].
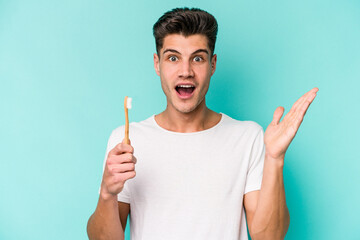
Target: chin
[188,106]
[186,109]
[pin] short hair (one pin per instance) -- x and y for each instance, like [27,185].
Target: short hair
[186,22]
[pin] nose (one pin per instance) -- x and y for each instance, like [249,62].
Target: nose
[186,70]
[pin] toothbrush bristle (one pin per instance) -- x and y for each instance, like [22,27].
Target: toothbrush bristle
[128,102]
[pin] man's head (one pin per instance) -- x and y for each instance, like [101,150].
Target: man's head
[185,60]
[186,22]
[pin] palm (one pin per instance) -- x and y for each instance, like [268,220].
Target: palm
[279,135]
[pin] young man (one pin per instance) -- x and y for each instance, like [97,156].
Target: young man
[197,171]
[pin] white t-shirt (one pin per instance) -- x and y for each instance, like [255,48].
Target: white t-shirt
[191,185]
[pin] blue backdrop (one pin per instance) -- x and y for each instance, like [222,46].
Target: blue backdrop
[65,67]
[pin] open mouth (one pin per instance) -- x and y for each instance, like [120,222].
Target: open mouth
[185,90]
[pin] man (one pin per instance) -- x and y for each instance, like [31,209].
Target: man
[197,171]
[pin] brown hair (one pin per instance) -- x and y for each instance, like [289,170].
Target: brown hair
[186,22]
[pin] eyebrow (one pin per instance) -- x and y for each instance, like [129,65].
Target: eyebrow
[197,51]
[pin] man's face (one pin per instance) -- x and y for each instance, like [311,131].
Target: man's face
[185,68]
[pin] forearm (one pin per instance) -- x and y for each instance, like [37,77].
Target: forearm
[271,218]
[105,221]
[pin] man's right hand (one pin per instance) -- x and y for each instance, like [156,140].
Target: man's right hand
[119,167]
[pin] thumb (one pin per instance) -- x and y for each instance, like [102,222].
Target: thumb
[124,141]
[277,115]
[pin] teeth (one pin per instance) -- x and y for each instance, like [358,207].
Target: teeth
[185,86]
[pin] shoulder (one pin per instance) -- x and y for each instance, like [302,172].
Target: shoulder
[118,133]
[248,127]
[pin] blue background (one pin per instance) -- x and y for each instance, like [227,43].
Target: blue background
[65,67]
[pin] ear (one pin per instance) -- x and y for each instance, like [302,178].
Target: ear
[157,64]
[213,64]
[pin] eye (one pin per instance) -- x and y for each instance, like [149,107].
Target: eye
[198,59]
[172,58]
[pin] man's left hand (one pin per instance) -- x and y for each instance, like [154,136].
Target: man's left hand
[279,135]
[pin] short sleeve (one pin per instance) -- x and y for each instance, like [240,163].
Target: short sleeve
[256,163]
[124,195]
[115,138]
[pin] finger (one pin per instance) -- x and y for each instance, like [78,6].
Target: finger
[123,141]
[121,168]
[277,115]
[121,148]
[122,158]
[305,106]
[121,177]
[302,99]
[300,113]
[298,102]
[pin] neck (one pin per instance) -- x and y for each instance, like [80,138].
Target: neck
[200,119]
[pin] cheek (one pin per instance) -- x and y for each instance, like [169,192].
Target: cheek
[167,70]
[165,81]
[204,77]
[204,73]
[204,69]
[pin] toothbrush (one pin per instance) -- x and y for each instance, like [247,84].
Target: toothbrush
[127,105]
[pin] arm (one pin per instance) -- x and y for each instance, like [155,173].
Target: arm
[266,210]
[109,218]
[105,222]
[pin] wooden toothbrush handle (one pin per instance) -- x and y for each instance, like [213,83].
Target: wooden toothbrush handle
[126,121]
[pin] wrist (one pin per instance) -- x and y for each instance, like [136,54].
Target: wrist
[276,161]
[105,195]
